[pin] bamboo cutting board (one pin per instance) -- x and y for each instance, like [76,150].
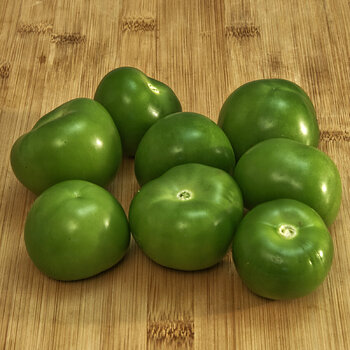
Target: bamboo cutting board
[53,51]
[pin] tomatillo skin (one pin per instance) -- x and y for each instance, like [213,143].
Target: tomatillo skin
[182,138]
[77,140]
[268,108]
[283,168]
[282,249]
[75,230]
[135,101]
[185,219]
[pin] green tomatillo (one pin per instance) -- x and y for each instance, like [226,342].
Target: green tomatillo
[77,140]
[135,101]
[282,249]
[283,168]
[185,219]
[182,138]
[268,108]
[76,229]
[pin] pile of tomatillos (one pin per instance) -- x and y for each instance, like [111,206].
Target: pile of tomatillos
[195,176]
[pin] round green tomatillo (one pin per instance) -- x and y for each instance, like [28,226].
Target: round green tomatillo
[268,108]
[283,168]
[77,140]
[185,219]
[282,249]
[135,101]
[76,229]
[182,138]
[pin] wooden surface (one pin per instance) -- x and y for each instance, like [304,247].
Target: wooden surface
[53,51]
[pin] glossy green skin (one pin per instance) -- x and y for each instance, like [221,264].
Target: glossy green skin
[75,230]
[265,109]
[281,266]
[185,219]
[283,168]
[135,102]
[182,138]
[77,140]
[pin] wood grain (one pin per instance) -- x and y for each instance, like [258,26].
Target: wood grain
[53,51]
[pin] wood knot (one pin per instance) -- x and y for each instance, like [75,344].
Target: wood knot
[5,70]
[335,135]
[180,332]
[36,28]
[275,62]
[242,31]
[67,38]
[42,59]
[139,24]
